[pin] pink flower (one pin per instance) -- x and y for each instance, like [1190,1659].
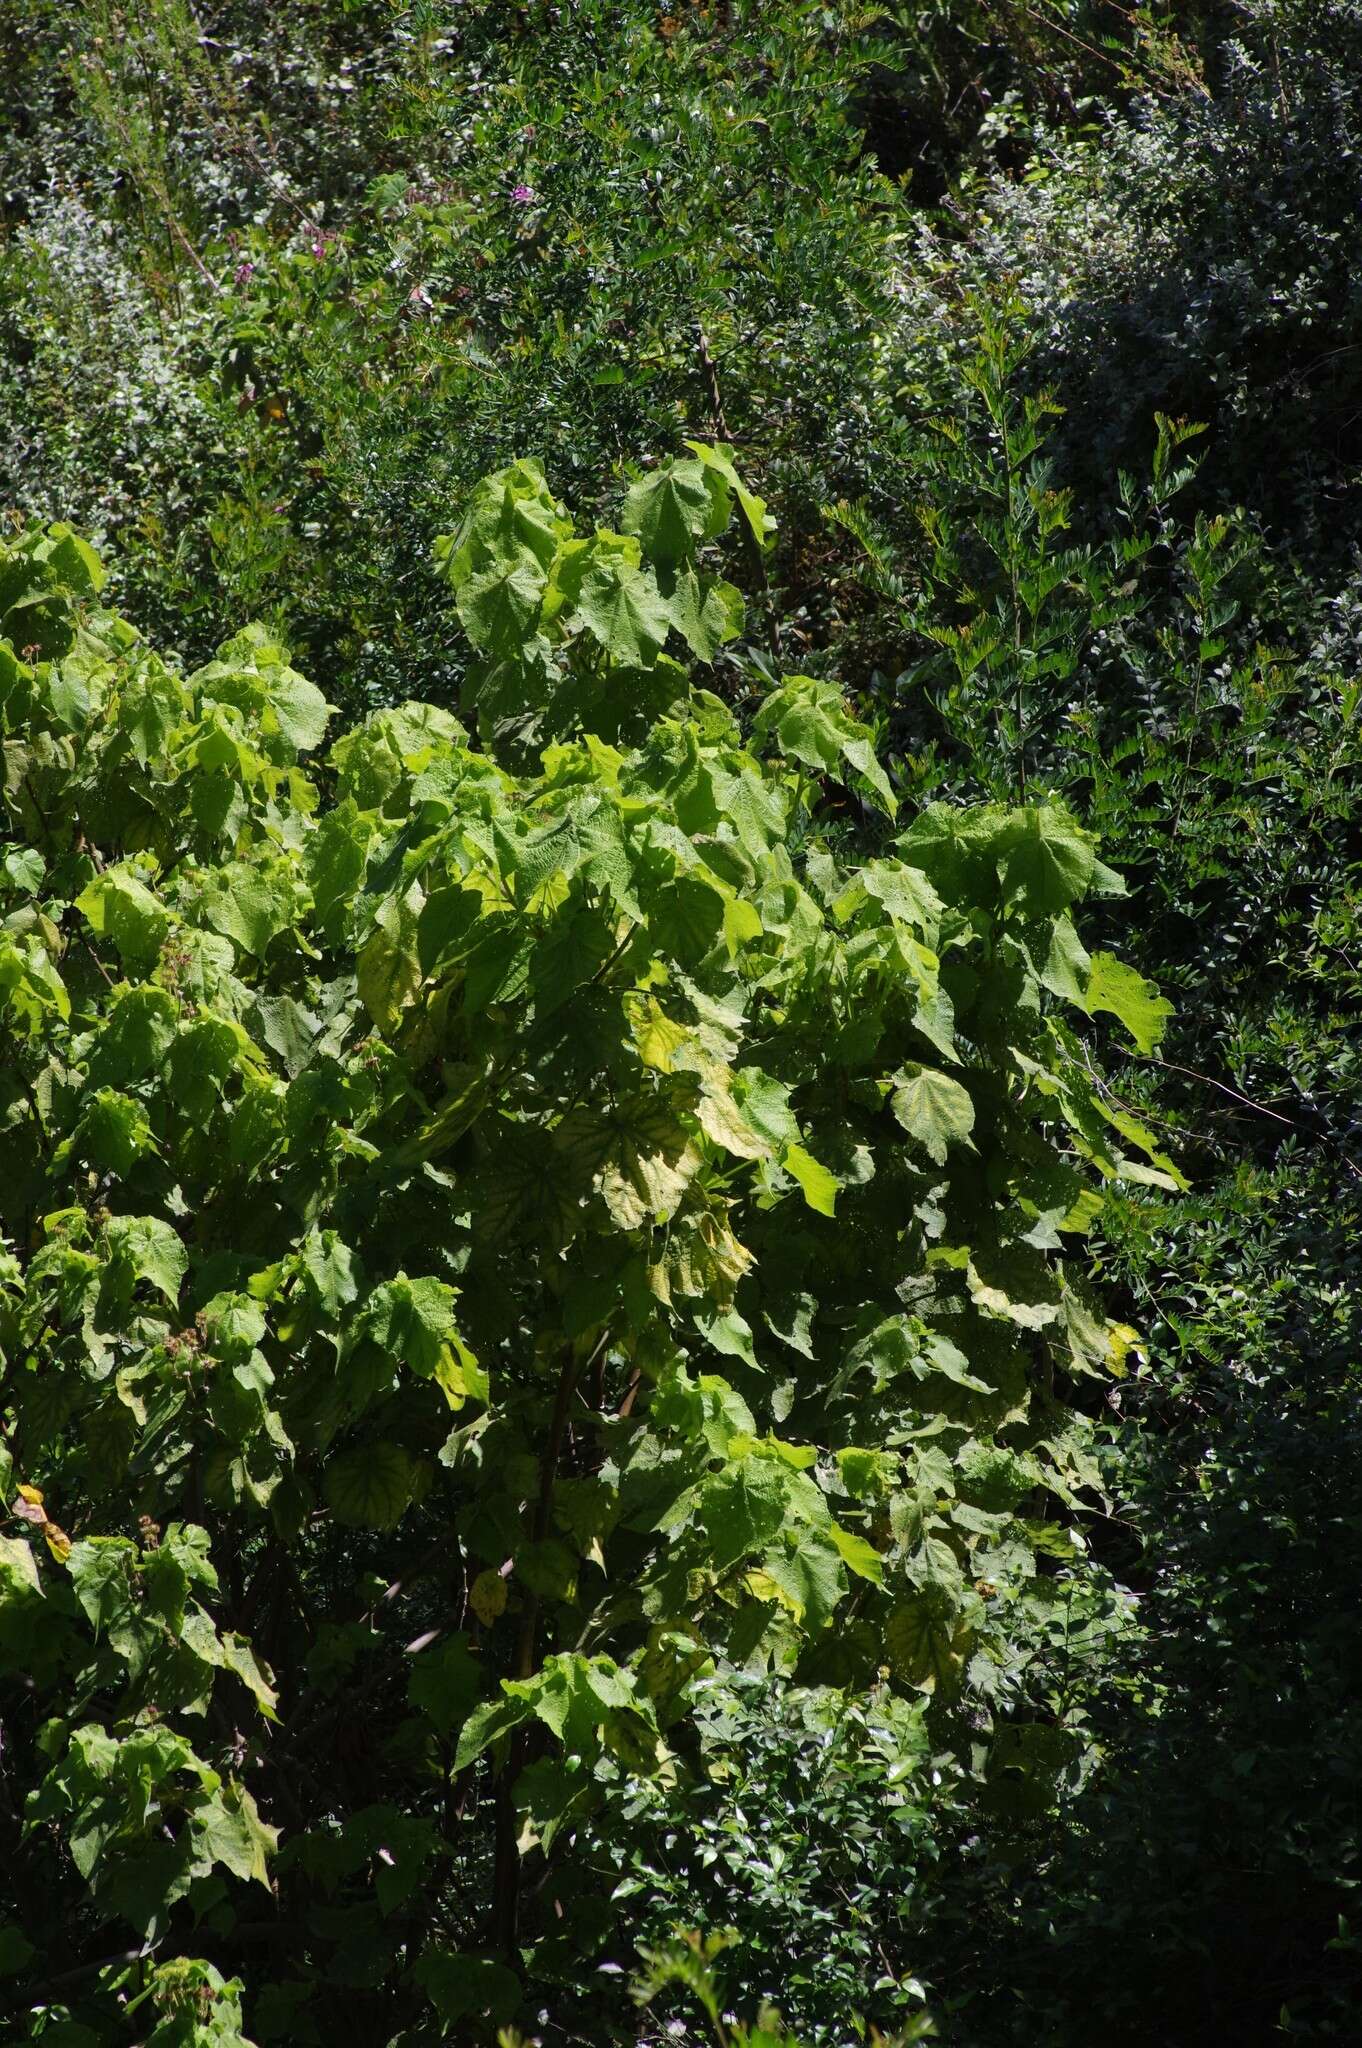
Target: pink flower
[523,195]
[243,274]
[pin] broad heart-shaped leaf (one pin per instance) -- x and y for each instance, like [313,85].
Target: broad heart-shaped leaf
[180,1560]
[1067,964]
[301,709]
[856,1554]
[906,894]
[137,1033]
[101,1571]
[669,510]
[934,1109]
[498,607]
[414,1321]
[388,971]
[806,1572]
[252,672]
[30,987]
[468,1987]
[250,903]
[707,613]
[120,906]
[370,1486]
[113,1133]
[1045,860]
[74,560]
[580,1699]
[1136,1002]
[509,513]
[69,694]
[151,1249]
[859,752]
[927,1639]
[624,609]
[641,1153]
[809,722]
[18,1571]
[238,1657]
[742,1509]
[23,868]
[803,716]
[330,1271]
[226,1828]
[719,458]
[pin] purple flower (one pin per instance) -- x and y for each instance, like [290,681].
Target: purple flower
[243,274]
[523,195]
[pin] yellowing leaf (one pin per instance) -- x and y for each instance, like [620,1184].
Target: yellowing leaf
[724,1124]
[856,1554]
[18,1569]
[741,923]
[656,1035]
[487,1597]
[818,1185]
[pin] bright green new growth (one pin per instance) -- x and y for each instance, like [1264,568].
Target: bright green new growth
[544,1150]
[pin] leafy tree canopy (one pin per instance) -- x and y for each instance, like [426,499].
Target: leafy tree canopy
[493,1230]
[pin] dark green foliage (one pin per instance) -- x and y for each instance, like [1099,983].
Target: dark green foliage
[579,232]
[1195,257]
[1232,1807]
[1034,328]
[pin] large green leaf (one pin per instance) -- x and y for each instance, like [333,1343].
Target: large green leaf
[1046,861]
[933,1108]
[927,1640]
[742,1508]
[226,1828]
[499,606]
[669,510]
[120,906]
[370,1486]
[624,609]
[152,1250]
[1114,986]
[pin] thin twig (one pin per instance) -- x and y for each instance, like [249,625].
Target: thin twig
[41,1994]
[1258,1108]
